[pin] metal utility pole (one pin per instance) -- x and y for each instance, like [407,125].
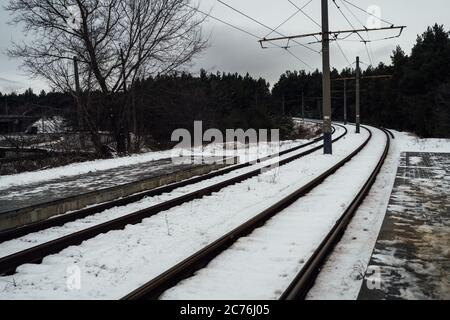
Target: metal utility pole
[345,102]
[326,85]
[326,81]
[358,115]
[357,91]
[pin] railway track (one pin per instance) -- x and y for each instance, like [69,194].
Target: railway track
[305,278]
[299,287]
[60,220]
[9,263]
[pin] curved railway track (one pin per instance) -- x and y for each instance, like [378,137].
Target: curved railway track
[299,287]
[8,264]
[303,281]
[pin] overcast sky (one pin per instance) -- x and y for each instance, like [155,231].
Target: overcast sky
[234,51]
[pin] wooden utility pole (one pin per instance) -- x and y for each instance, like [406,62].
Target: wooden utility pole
[358,115]
[326,81]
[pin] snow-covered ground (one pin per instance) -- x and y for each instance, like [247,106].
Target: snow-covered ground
[113,264]
[342,275]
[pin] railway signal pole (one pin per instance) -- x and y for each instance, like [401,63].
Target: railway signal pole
[326,81]
[358,107]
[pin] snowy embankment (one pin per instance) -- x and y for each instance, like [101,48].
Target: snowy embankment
[342,275]
[113,264]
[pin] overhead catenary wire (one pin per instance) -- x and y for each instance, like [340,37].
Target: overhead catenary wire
[348,20]
[308,16]
[288,19]
[222,21]
[342,51]
[246,32]
[362,24]
[265,26]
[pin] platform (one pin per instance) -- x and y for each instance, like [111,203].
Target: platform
[411,258]
[24,204]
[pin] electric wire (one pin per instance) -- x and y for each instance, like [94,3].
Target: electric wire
[288,19]
[265,26]
[246,32]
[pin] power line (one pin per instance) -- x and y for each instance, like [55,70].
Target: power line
[244,31]
[352,26]
[292,54]
[222,21]
[348,20]
[342,51]
[265,26]
[362,24]
[351,12]
[308,16]
[288,19]
[304,13]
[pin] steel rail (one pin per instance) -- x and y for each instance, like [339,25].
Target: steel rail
[62,219]
[389,132]
[8,264]
[155,287]
[302,283]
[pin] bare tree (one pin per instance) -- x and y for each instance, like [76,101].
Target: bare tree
[115,42]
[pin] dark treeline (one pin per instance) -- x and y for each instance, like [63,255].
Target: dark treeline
[416,98]
[221,101]
[155,107]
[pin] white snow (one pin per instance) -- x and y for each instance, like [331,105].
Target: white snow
[113,264]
